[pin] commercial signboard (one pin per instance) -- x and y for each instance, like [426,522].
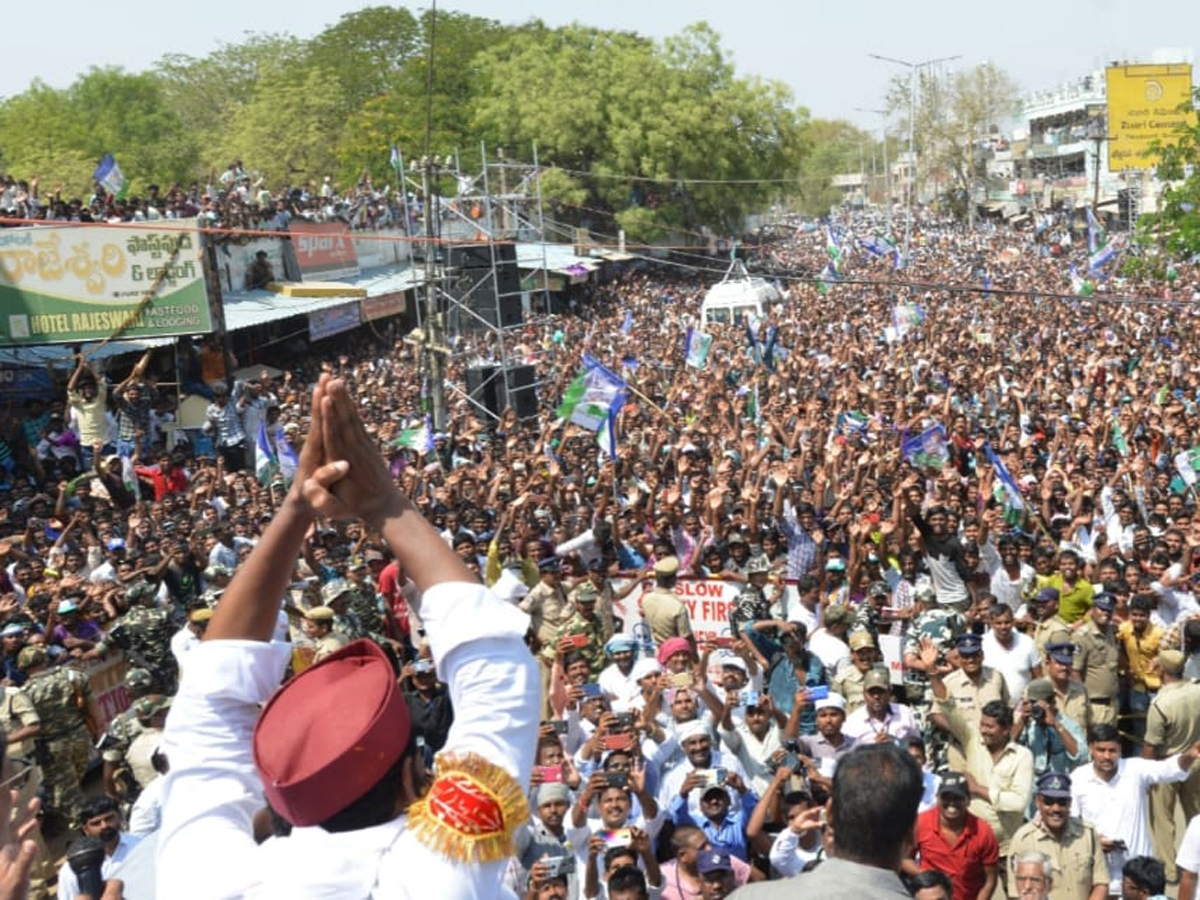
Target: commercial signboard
[1143,107]
[384,305]
[324,250]
[75,283]
[334,320]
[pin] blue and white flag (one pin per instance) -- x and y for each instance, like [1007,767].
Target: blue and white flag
[266,463]
[606,435]
[108,175]
[627,325]
[394,158]
[696,345]
[419,439]
[593,395]
[1008,485]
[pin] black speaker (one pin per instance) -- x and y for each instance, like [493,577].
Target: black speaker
[469,259]
[496,389]
[485,386]
[522,391]
[475,289]
[479,256]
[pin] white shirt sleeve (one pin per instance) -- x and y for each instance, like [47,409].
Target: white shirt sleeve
[1189,851]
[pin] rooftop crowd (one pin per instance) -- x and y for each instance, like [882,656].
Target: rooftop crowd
[1039,720]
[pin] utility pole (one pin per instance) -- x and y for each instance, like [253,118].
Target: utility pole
[914,69]
[887,170]
[434,346]
[1097,138]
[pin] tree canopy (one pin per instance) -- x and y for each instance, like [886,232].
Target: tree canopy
[643,134]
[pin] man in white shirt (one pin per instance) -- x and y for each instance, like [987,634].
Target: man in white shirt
[1112,794]
[878,719]
[1011,653]
[828,644]
[100,819]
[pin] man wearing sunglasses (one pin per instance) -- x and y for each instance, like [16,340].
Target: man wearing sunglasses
[1080,870]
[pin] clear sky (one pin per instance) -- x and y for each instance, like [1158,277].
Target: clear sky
[818,48]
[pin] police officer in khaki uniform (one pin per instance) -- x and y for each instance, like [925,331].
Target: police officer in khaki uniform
[1049,622]
[1080,869]
[972,686]
[549,609]
[662,609]
[1172,726]
[1071,696]
[863,658]
[318,628]
[1096,657]
[21,725]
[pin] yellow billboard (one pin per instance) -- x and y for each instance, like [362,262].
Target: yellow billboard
[1143,106]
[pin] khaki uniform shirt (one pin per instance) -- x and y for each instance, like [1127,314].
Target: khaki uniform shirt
[1074,704]
[1173,720]
[331,643]
[1044,629]
[549,610]
[665,615]
[1096,661]
[1079,863]
[849,684]
[16,712]
[1008,777]
[970,697]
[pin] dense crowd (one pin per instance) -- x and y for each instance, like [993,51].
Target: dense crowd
[1031,570]
[235,199]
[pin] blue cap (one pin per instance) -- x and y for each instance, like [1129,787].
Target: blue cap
[1062,653]
[116,544]
[550,564]
[12,630]
[1055,784]
[969,644]
[1047,594]
[713,861]
[1106,602]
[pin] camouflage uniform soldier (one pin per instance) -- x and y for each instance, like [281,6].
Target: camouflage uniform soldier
[144,633]
[868,613]
[942,625]
[114,745]
[584,623]
[63,702]
[356,614]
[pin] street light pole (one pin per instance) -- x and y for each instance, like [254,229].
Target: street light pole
[887,171]
[913,69]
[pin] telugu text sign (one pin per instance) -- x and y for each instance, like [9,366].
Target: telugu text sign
[1143,107]
[324,250]
[74,283]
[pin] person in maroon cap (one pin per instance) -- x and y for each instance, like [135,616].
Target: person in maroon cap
[333,751]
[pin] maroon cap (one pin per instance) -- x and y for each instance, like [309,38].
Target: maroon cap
[327,736]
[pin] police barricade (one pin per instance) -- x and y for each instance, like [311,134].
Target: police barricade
[106,679]
[709,602]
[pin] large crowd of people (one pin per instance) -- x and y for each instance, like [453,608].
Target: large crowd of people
[958,663]
[232,201]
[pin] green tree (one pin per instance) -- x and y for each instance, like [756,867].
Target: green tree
[1176,225]
[414,114]
[368,49]
[662,135]
[955,114]
[287,132]
[106,110]
[834,147]
[206,92]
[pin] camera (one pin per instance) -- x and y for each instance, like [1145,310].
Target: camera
[1039,714]
[557,866]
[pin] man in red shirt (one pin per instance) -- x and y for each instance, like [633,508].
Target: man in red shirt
[953,841]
